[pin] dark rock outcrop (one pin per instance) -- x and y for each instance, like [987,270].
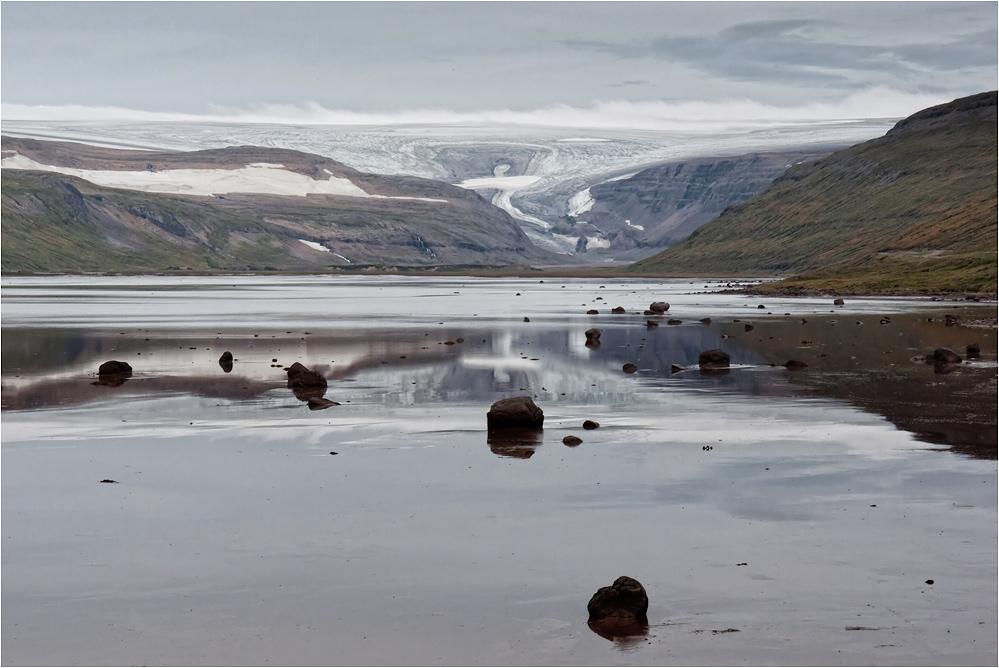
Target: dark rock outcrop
[515,413]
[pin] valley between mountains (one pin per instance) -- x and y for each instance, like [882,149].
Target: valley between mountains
[913,211]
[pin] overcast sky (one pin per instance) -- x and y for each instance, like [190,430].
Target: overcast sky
[491,61]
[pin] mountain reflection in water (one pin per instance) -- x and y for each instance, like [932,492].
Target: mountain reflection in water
[863,360]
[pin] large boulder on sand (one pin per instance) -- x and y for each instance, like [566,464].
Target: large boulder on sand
[624,602]
[716,358]
[115,368]
[515,412]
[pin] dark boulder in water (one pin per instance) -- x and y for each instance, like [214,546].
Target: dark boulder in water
[629,368]
[572,441]
[624,602]
[942,356]
[115,368]
[590,424]
[225,361]
[838,302]
[659,307]
[617,309]
[514,413]
[715,358]
[296,369]
[973,351]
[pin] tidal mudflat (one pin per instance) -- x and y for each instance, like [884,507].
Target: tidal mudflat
[843,512]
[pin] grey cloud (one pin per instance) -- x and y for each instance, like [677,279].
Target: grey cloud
[633,82]
[785,51]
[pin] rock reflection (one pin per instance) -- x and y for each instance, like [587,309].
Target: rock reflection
[623,635]
[516,443]
[75,391]
[111,379]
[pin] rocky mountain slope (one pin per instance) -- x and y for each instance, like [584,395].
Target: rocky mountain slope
[74,207]
[659,206]
[915,210]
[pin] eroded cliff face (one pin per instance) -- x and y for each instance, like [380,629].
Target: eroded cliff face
[661,205]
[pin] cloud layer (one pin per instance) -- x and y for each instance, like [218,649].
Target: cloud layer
[652,115]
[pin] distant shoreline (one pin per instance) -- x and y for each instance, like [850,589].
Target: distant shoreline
[756,285]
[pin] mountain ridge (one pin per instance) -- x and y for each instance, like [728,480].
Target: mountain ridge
[913,210]
[63,222]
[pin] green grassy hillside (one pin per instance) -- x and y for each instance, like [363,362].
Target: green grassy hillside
[913,211]
[56,223]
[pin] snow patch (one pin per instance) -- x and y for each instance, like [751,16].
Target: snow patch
[315,246]
[580,203]
[637,227]
[259,177]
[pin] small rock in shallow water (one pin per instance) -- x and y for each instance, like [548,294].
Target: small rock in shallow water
[714,358]
[943,356]
[629,368]
[572,441]
[515,412]
[115,368]
[590,424]
[676,368]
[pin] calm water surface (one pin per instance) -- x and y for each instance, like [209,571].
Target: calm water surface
[773,516]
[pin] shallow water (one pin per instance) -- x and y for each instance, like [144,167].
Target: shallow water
[828,498]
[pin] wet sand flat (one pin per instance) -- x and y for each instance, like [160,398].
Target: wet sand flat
[773,516]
